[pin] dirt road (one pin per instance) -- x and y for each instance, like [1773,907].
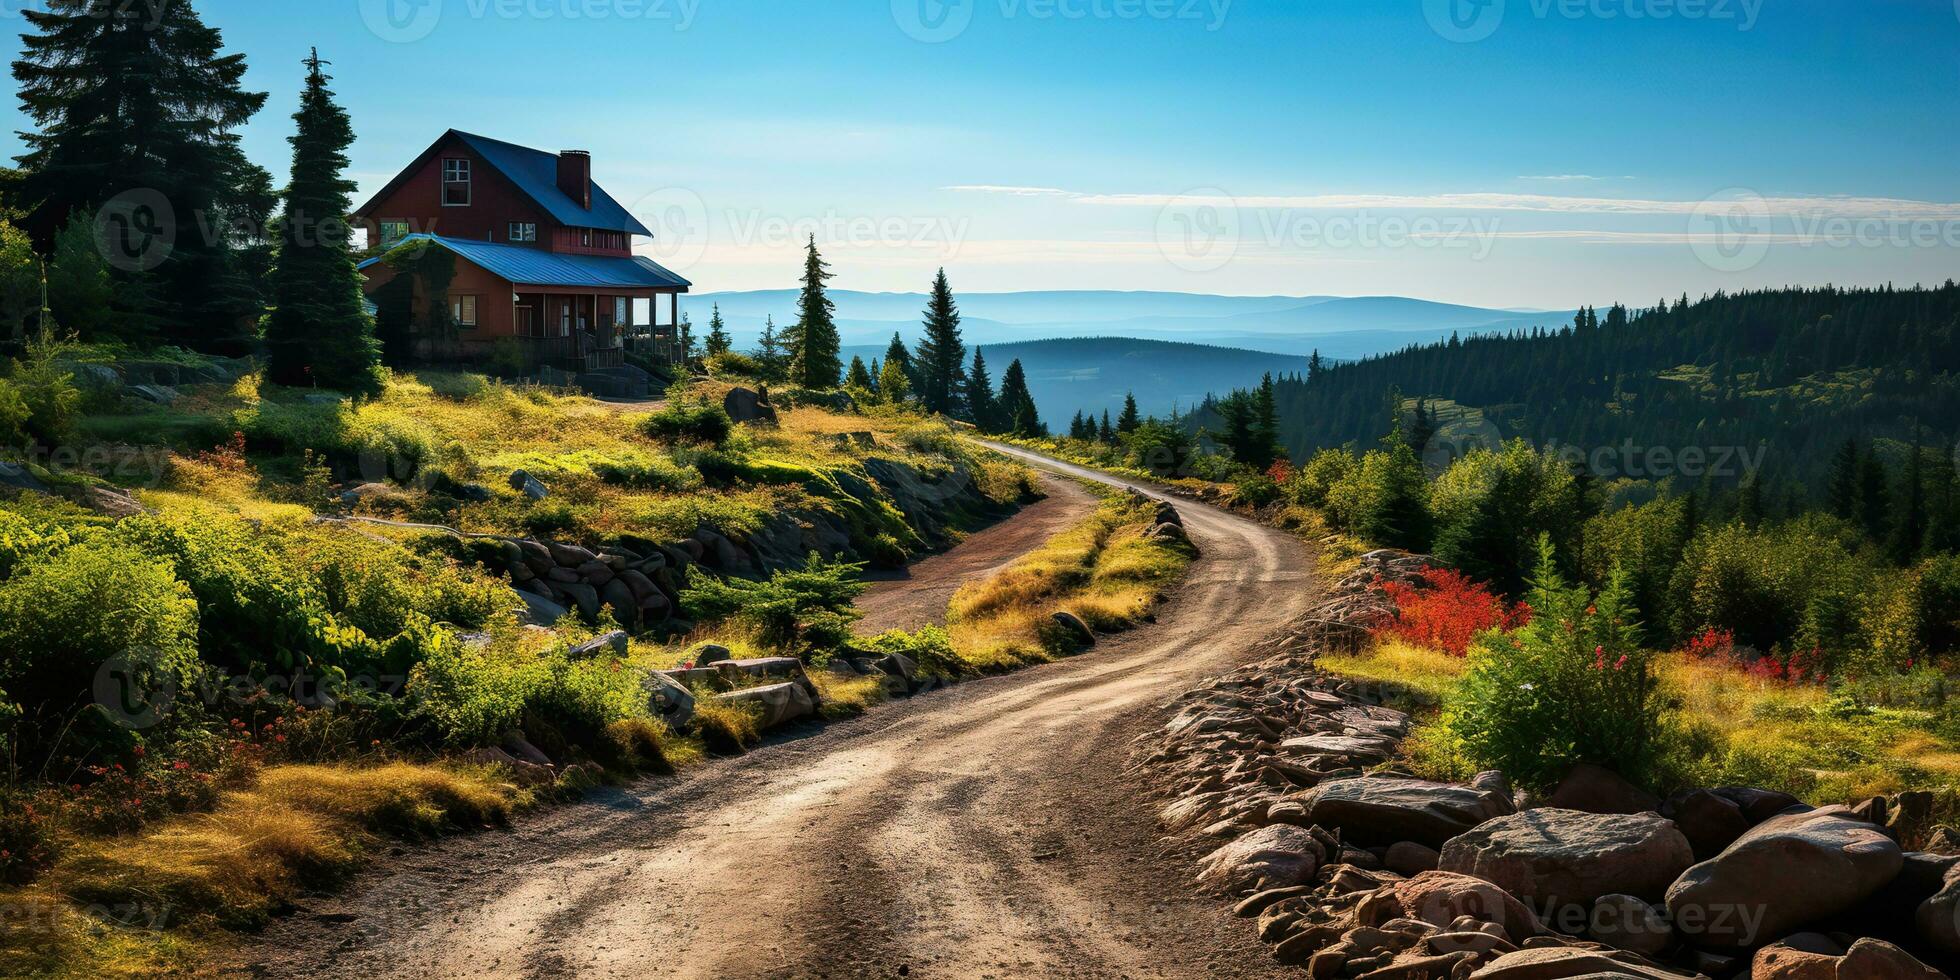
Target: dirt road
[916,595]
[984,830]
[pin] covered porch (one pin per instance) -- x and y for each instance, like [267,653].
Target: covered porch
[592,329]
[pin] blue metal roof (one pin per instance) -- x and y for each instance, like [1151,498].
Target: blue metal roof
[535,172]
[524,266]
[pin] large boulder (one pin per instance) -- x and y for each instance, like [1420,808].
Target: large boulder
[1938,918]
[1786,871]
[1559,858]
[780,703]
[745,405]
[1387,810]
[1362,749]
[1710,821]
[1804,956]
[1275,856]
[1594,789]
[1876,959]
[743,672]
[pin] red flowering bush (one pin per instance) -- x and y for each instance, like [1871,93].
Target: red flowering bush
[1799,667]
[1450,613]
[26,838]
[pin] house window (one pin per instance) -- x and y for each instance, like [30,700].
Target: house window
[523,231]
[463,310]
[585,237]
[455,183]
[393,231]
[619,309]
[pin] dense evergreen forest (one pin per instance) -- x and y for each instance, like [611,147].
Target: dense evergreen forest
[1790,373]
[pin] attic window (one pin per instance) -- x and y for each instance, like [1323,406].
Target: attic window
[523,231]
[455,183]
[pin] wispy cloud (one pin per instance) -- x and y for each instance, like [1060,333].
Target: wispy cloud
[1011,190]
[1809,207]
[1573,177]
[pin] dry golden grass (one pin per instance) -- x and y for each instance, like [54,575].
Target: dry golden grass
[848,697]
[1427,675]
[726,728]
[298,828]
[1101,570]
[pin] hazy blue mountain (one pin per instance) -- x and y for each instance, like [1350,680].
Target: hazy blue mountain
[1339,327]
[1092,374]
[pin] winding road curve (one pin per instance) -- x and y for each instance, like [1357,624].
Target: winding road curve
[982,830]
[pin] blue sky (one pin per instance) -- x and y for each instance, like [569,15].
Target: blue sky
[1495,152]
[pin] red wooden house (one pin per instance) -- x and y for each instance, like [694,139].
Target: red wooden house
[543,256]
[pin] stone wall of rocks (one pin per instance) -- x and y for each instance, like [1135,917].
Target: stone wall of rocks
[1282,777]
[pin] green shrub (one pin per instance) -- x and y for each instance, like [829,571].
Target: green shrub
[1490,508]
[732,363]
[689,423]
[47,393]
[1572,686]
[471,694]
[1385,499]
[64,618]
[1312,483]
[1796,584]
[24,541]
[1645,541]
[13,415]
[1255,490]
[930,649]
[27,838]
[794,610]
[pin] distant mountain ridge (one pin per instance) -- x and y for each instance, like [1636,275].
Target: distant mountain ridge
[1343,327]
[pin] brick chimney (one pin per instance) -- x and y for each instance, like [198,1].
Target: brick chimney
[575,176]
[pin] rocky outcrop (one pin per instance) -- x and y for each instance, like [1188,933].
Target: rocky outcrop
[747,405]
[1385,810]
[780,703]
[1276,856]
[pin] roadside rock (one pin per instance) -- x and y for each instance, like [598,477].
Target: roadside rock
[1938,918]
[781,703]
[1559,858]
[1440,898]
[668,700]
[1710,821]
[1785,872]
[14,476]
[1410,858]
[1388,810]
[1876,959]
[1628,923]
[1559,962]
[1592,789]
[1075,627]
[1277,856]
[540,611]
[711,653]
[614,642]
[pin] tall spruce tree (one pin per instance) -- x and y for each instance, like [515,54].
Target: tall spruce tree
[137,110]
[770,358]
[1842,490]
[1106,433]
[813,342]
[1128,421]
[318,331]
[982,407]
[80,293]
[895,352]
[717,342]
[1873,508]
[859,376]
[1909,534]
[1017,407]
[942,353]
[1265,424]
[894,388]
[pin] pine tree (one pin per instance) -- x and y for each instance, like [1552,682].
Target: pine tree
[1873,512]
[1843,485]
[134,99]
[769,354]
[318,332]
[1265,424]
[1127,422]
[686,331]
[877,370]
[941,352]
[1909,535]
[80,292]
[1316,367]
[893,386]
[982,408]
[1017,407]
[858,376]
[1077,425]
[896,352]
[813,341]
[718,342]
[1106,433]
